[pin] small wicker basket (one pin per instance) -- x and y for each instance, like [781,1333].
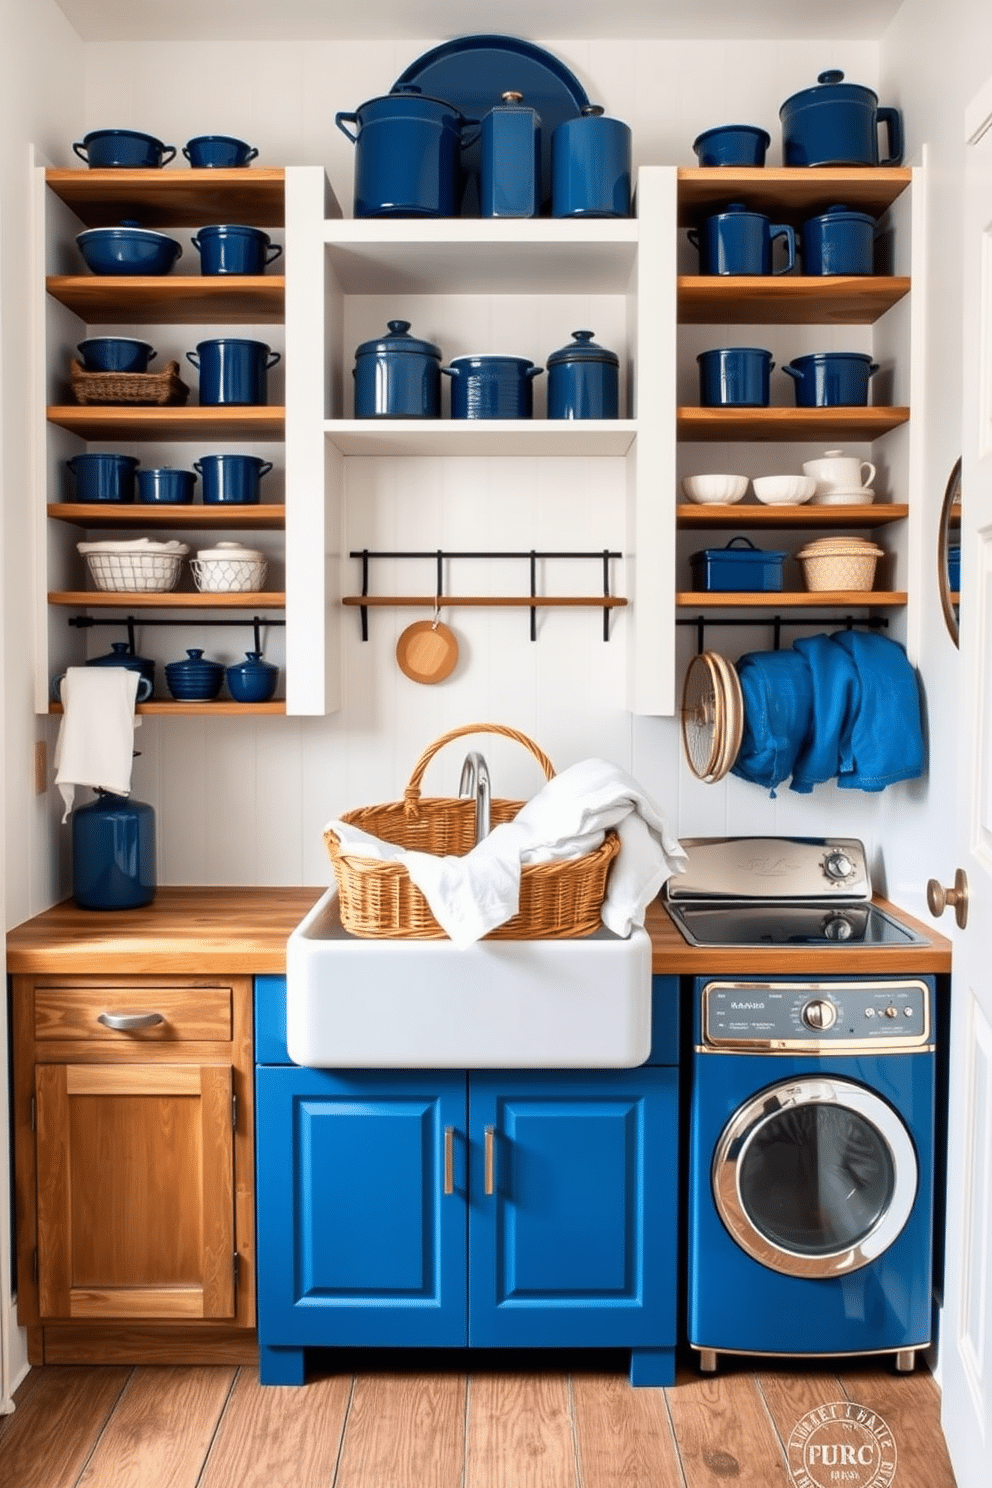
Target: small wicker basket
[558,901]
[840,563]
[161,388]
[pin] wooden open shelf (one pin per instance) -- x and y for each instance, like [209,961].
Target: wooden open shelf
[737,299]
[790,195]
[138,421]
[757,424]
[140,599]
[874,514]
[805,599]
[176,197]
[270,517]
[223,707]
[177,299]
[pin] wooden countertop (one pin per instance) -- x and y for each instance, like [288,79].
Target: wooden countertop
[199,931]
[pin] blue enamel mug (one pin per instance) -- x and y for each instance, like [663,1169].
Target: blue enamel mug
[231,478]
[103,477]
[233,370]
[231,248]
[838,241]
[738,241]
[218,152]
[734,376]
[591,166]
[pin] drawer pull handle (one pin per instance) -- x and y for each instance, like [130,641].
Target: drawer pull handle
[490,1180]
[449,1159]
[130,1022]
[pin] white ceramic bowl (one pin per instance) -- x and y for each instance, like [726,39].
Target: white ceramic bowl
[783,490]
[714,489]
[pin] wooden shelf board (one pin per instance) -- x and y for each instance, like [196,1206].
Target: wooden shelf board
[177,197]
[118,421]
[805,599]
[179,299]
[485,601]
[227,709]
[790,194]
[846,299]
[223,515]
[481,437]
[757,424]
[876,514]
[100,599]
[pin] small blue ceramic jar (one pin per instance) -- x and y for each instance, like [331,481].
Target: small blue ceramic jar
[194,680]
[591,166]
[113,853]
[103,477]
[838,241]
[397,376]
[230,248]
[734,376]
[115,354]
[233,371]
[252,680]
[583,380]
[732,144]
[492,387]
[231,478]
[510,169]
[738,241]
[218,152]
[162,485]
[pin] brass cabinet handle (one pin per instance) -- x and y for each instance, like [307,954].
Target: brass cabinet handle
[129,1022]
[938,898]
[449,1159]
[490,1150]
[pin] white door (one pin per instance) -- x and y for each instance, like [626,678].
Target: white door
[966,1327]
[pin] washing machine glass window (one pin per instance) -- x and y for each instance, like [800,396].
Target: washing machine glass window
[815,1177]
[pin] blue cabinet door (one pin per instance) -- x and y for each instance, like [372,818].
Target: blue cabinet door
[572,1215]
[359,1244]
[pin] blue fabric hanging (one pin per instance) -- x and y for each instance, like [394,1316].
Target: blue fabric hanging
[886,736]
[836,699]
[778,702]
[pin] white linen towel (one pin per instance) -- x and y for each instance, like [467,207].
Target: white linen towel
[471,895]
[95,746]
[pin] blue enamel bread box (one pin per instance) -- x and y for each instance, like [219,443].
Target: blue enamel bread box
[739,566]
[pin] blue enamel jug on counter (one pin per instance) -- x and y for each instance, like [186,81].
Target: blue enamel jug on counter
[113,853]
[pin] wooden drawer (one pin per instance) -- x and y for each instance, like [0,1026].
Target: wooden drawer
[142,1014]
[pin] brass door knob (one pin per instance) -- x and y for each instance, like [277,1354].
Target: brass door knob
[938,898]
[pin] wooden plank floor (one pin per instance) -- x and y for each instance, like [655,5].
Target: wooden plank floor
[422,1422]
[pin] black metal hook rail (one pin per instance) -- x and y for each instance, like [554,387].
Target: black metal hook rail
[83,622]
[529,555]
[701,622]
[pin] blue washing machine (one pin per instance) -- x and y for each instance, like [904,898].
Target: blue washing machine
[811,1181]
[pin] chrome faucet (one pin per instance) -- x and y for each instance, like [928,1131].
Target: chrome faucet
[475,782]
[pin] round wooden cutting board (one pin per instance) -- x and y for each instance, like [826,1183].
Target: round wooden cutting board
[427,651]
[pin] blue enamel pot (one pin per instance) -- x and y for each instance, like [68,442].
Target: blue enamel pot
[739,241]
[122,149]
[492,387]
[734,376]
[830,379]
[252,680]
[837,123]
[218,152]
[397,376]
[591,166]
[115,354]
[838,242]
[233,479]
[195,680]
[113,853]
[407,156]
[102,477]
[732,144]
[583,380]
[233,370]
[128,249]
[230,248]
[162,485]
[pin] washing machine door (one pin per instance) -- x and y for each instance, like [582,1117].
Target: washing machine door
[815,1177]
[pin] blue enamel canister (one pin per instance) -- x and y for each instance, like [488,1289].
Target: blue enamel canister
[510,172]
[233,370]
[591,166]
[734,376]
[397,376]
[583,380]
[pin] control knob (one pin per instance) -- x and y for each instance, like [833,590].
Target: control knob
[837,927]
[838,865]
[819,1014]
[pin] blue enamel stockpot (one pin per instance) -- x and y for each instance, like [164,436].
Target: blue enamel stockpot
[734,376]
[732,144]
[407,155]
[492,387]
[591,166]
[103,477]
[113,853]
[838,242]
[231,478]
[397,376]
[218,152]
[231,248]
[836,123]
[233,370]
[583,380]
[831,378]
[738,241]
[115,354]
[122,149]
[162,485]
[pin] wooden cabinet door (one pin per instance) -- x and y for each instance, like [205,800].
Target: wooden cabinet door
[135,1179]
[572,1227]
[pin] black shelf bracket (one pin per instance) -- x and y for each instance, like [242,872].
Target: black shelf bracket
[701,623]
[84,622]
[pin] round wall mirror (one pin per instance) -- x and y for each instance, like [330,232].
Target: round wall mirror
[949,551]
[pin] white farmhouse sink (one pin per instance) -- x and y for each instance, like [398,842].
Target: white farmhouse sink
[499,1004]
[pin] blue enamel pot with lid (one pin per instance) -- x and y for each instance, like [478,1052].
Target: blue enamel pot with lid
[397,376]
[407,155]
[232,248]
[837,123]
[583,380]
[838,241]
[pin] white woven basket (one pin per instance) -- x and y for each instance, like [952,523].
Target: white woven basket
[228,575]
[133,572]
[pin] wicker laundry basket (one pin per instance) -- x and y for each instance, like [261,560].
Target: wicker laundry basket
[558,901]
